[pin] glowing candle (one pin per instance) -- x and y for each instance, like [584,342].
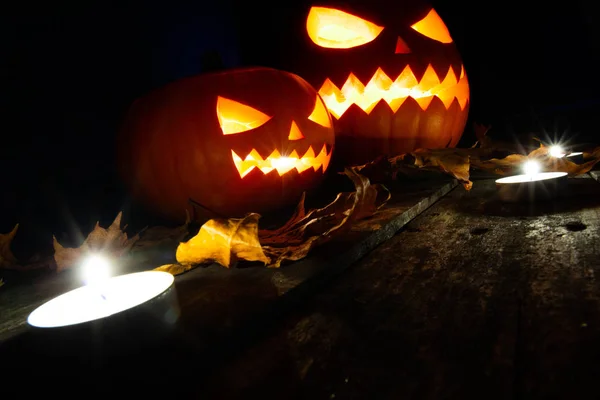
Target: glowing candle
[532,185]
[556,151]
[103,297]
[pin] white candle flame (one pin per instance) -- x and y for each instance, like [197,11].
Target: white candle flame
[557,151]
[531,168]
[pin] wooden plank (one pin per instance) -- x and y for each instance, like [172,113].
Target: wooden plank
[472,299]
[217,303]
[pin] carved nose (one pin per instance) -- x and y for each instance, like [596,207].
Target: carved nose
[401,46]
[295,133]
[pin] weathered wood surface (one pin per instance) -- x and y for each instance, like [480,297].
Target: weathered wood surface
[218,304]
[474,299]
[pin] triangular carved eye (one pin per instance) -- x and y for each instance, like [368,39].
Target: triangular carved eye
[235,117]
[336,29]
[433,27]
[320,115]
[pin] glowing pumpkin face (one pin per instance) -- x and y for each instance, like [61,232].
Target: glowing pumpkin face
[246,140]
[389,74]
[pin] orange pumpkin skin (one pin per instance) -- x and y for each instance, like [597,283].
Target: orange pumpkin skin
[173,146]
[430,102]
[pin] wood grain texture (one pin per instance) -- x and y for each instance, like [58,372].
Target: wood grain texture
[473,299]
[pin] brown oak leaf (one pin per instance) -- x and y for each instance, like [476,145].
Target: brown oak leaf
[112,242]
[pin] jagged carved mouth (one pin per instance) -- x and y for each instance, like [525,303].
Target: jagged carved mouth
[282,164]
[394,93]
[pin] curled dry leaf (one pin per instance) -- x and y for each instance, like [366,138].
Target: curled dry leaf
[305,230]
[453,162]
[112,241]
[226,240]
[7,258]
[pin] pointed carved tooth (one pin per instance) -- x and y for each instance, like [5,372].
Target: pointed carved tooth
[322,159]
[462,92]
[294,154]
[247,171]
[462,71]
[429,81]
[446,91]
[310,153]
[377,89]
[266,170]
[326,162]
[333,99]
[254,156]
[236,158]
[274,155]
[450,79]
[396,103]
[424,102]
[303,165]
[406,79]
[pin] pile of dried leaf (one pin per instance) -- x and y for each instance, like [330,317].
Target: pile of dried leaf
[225,241]
[483,156]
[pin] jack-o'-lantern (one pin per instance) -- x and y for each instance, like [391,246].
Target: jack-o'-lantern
[236,141]
[388,72]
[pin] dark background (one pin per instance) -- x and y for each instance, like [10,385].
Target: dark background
[70,70]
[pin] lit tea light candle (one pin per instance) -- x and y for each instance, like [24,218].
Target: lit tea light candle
[556,151]
[532,185]
[150,293]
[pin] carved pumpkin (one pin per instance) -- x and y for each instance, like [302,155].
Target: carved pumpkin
[388,72]
[237,141]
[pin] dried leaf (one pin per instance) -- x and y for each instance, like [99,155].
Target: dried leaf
[454,162]
[112,241]
[224,241]
[451,161]
[306,230]
[174,269]
[7,258]
[514,162]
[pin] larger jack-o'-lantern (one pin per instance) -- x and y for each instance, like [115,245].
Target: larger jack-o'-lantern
[389,74]
[237,141]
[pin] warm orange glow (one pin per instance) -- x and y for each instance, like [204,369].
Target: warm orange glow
[320,114]
[433,27]
[282,164]
[335,29]
[401,46]
[295,133]
[394,93]
[236,117]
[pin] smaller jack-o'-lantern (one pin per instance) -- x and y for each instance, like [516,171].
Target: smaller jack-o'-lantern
[237,141]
